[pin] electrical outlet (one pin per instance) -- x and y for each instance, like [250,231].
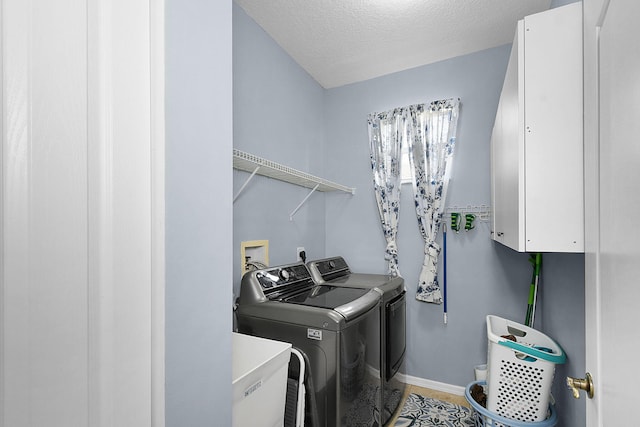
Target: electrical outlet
[298,250]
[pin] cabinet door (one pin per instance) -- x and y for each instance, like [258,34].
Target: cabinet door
[553,130]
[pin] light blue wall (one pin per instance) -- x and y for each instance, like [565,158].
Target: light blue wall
[277,114]
[563,317]
[198,213]
[282,114]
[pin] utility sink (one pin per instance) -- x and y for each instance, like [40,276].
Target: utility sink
[259,375]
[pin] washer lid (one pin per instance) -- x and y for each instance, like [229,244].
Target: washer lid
[349,302]
[326,296]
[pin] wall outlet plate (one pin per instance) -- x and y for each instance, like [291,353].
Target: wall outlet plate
[298,250]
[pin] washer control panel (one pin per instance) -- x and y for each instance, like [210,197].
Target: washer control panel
[279,282]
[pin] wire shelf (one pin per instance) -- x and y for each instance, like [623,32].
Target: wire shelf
[249,163]
[257,165]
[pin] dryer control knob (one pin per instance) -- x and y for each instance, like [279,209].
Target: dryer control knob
[332,264]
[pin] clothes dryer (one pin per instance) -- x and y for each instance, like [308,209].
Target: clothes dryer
[335,271]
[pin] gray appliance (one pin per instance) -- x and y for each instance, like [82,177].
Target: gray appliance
[335,271]
[337,330]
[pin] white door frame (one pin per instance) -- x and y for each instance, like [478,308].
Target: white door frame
[612,103]
[116,149]
[157,47]
[591,11]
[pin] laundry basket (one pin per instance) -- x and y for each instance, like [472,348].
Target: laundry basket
[520,373]
[484,418]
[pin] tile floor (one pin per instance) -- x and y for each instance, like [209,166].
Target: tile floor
[447,397]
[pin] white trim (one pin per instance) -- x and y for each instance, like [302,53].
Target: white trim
[100,219]
[157,46]
[105,175]
[433,385]
[2,219]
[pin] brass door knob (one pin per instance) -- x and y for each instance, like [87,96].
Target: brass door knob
[577,384]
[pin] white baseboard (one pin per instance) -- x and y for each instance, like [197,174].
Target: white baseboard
[433,385]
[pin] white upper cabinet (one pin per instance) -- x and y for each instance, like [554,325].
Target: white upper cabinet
[537,141]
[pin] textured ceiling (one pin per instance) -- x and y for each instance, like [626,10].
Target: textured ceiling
[345,41]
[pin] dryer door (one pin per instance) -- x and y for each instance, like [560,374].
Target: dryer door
[395,330]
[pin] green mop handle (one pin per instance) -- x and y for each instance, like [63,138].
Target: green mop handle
[536,260]
[532,291]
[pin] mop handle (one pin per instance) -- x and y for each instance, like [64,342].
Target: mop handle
[444,269]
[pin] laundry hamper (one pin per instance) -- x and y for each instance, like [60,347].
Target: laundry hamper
[484,418]
[520,373]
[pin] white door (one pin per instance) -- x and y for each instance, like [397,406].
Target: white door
[81,213]
[612,108]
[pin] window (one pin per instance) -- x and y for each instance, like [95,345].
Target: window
[405,166]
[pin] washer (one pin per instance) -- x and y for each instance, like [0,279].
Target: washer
[336,272]
[336,328]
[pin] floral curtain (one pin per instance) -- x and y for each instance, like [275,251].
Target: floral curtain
[385,138]
[431,137]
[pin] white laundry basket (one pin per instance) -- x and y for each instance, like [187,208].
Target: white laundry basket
[520,373]
[482,417]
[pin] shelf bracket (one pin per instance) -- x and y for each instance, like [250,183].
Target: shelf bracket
[303,202]
[246,182]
